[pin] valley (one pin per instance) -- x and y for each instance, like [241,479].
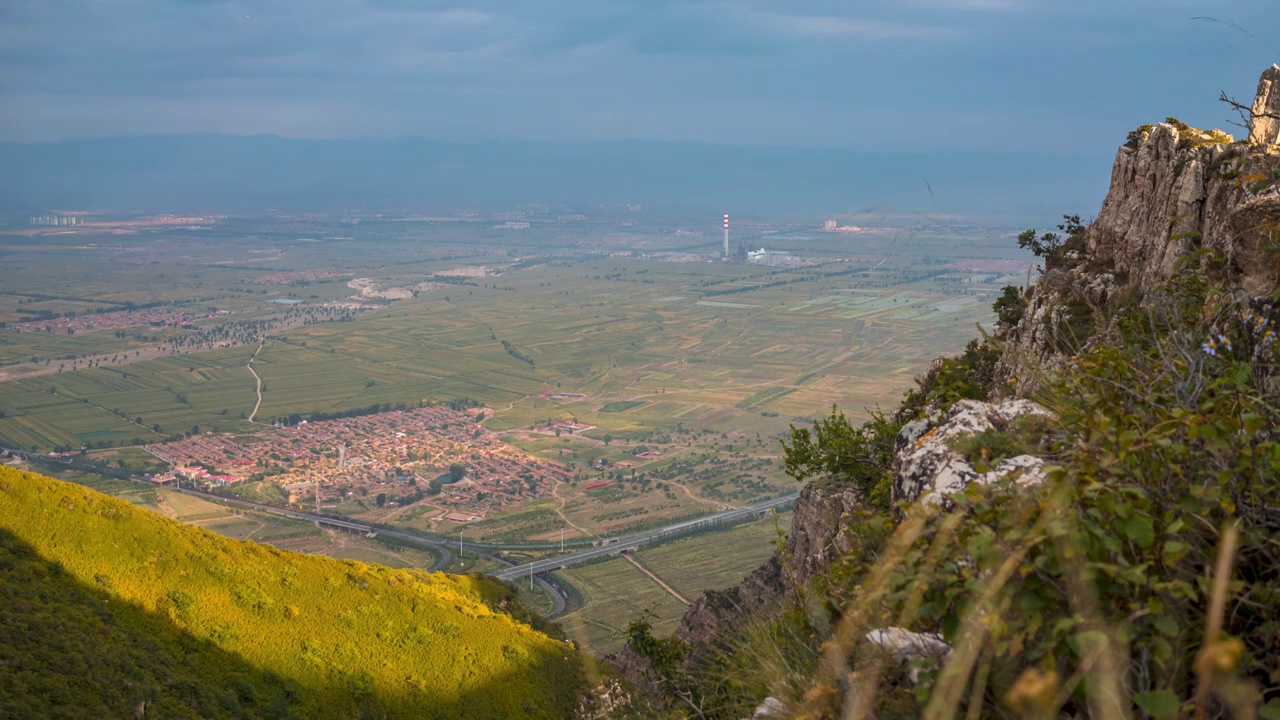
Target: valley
[569,383]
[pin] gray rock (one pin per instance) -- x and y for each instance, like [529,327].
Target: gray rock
[907,646]
[1171,196]
[1264,127]
[771,708]
[928,470]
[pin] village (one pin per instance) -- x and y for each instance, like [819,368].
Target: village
[403,456]
[71,324]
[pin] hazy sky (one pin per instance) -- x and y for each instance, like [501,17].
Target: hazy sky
[1073,75]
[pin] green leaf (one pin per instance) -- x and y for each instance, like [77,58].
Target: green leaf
[1174,551]
[1270,711]
[1165,625]
[1140,530]
[1159,704]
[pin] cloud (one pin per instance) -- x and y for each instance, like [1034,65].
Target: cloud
[987,6]
[835,27]
[759,71]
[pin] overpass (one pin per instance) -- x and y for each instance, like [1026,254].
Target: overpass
[615,546]
[443,547]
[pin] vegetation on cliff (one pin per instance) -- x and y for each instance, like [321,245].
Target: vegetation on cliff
[112,611]
[1133,576]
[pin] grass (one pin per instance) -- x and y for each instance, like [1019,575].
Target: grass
[716,561]
[614,592]
[306,635]
[621,406]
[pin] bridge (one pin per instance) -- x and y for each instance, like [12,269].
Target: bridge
[442,546]
[615,546]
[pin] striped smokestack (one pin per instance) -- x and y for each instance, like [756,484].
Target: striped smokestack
[726,234]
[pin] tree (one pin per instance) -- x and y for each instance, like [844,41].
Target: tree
[1049,243]
[861,457]
[1010,306]
[666,657]
[382,499]
[435,487]
[457,471]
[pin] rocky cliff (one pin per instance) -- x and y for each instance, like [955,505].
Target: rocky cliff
[814,540]
[1182,203]
[1175,191]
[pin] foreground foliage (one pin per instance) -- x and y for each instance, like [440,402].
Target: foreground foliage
[112,611]
[1139,580]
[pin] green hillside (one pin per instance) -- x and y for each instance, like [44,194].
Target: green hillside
[112,611]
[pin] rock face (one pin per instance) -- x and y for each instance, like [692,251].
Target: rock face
[927,469]
[814,541]
[1168,199]
[1264,127]
[816,538]
[1174,191]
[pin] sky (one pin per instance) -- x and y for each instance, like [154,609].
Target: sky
[1068,76]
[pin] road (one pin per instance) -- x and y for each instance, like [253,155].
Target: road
[443,547]
[257,379]
[617,545]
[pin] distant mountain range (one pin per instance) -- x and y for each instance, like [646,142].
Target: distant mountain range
[223,173]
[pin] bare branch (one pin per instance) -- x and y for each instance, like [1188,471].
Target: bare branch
[1246,113]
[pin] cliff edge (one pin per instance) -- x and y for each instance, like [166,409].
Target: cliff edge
[1076,478]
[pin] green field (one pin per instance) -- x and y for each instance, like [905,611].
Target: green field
[616,592]
[689,372]
[645,340]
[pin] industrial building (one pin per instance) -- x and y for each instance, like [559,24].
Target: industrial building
[767,257]
[54,220]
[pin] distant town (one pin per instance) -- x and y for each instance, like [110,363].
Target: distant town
[401,455]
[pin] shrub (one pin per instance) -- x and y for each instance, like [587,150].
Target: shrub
[971,376]
[1010,306]
[842,455]
[1099,583]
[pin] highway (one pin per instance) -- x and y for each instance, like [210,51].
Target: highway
[443,548]
[615,546]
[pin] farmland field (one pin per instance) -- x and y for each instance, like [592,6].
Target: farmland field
[616,591]
[618,349]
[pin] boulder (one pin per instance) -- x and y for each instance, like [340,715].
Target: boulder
[906,646]
[928,470]
[771,708]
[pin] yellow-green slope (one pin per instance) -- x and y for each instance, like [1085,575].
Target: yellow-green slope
[107,610]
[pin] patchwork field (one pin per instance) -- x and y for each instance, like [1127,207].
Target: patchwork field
[616,591]
[661,387]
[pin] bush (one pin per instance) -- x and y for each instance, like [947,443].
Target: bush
[842,455]
[1100,582]
[1140,576]
[971,376]
[1010,306]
